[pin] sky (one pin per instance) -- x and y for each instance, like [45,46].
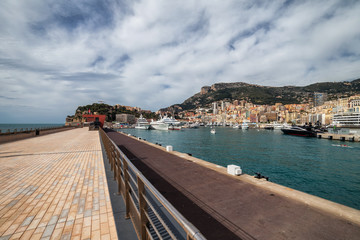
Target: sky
[56,55]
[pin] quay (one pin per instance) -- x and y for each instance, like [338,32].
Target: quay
[341,137]
[223,206]
[54,187]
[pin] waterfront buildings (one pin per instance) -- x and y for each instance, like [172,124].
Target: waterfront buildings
[321,111]
[349,119]
[125,118]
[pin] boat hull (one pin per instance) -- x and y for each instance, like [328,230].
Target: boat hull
[303,133]
[160,126]
[146,127]
[174,127]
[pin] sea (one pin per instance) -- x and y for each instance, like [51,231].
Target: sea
[4,127]
[326,168]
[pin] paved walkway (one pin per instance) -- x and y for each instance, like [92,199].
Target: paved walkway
[54,187]
[247,209]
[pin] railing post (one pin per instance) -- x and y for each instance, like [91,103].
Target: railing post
[142,208]
[111,157]
[115,163]
[118,177]
[127,189]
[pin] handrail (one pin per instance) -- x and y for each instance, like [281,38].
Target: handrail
[139,218]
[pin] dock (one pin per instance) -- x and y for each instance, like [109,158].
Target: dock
[341,137]
[55,187]
[223,206]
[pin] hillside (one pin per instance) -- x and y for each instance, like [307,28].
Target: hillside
[110,111]
[265,95]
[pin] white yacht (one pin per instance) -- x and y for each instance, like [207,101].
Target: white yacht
[173,123]
[142,123]
[244,126]
[166,123]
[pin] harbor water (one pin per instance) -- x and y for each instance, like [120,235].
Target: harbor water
[325,168]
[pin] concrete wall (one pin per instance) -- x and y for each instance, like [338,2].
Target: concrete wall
[10,137]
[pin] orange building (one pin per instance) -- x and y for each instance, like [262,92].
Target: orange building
[92,118]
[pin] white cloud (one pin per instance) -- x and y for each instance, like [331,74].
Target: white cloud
[58,55]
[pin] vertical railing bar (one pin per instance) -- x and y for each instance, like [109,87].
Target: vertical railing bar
[114,167]
[132,189]
[153,225]
[118,177]
[127,211]
[142,208]
[149,234]
[160,218]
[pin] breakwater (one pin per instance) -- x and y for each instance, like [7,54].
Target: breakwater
[15,134]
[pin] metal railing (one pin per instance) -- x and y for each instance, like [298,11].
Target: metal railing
[152,215]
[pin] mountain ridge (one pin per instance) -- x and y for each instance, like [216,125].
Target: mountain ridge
[265,95]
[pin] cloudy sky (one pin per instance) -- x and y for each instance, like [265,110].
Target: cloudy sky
[58,54]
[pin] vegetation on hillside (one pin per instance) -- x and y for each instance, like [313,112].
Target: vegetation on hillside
[266,95]
[110,111]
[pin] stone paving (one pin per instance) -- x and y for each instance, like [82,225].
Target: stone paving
[55,187]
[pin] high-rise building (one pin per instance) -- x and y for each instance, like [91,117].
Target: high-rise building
[215,111]
[319,98]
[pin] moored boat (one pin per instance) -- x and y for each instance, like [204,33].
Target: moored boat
[299,131]
[142,123]
[166,123]
[269,127]
[244,126]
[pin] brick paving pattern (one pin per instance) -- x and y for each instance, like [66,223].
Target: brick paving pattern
[54,187]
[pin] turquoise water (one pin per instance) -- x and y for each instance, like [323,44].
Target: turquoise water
[317,166]
[4,127]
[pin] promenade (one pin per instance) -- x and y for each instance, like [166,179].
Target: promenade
[55,187]
[237,207]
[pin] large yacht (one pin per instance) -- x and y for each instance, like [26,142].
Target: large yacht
[166,123]
[305,131]
[142,123]
[244,126]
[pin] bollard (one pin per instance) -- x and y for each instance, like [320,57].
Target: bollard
[234,170]
[169,148]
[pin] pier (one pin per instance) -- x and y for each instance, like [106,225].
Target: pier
[341,137]
[55,187]
[223,206]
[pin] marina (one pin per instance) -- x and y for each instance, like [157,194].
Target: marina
[306,164]
[242,204]
[75,202]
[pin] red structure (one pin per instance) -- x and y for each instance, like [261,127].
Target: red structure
[92,118]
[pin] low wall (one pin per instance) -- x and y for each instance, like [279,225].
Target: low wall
[15,136]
